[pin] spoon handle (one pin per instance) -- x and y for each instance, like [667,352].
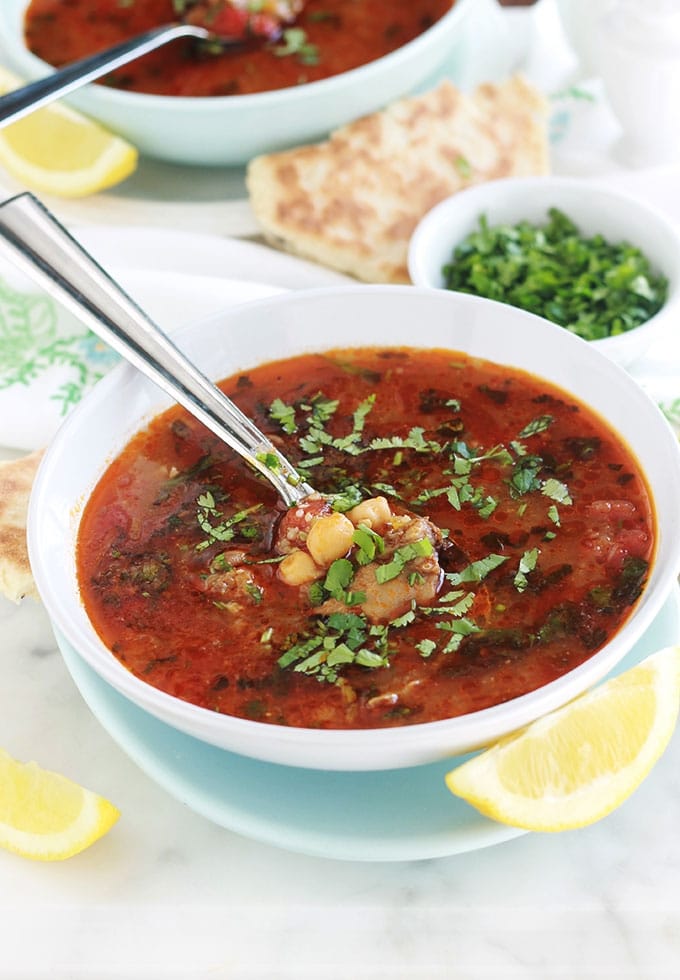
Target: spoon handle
[43,249]
[29,97]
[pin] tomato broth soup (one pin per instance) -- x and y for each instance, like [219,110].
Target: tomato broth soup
[328,37]
[498,534]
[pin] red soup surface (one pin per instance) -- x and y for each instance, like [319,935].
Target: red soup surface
[331,36]
[546,535]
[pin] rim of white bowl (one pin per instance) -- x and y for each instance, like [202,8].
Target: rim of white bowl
[338,749]
[293,93]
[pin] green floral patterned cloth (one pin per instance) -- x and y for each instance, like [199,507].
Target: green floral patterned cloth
[48,360]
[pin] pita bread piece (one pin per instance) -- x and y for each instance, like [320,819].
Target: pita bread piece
[16,480]
[353,201]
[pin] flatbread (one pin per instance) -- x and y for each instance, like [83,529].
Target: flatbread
[353,201]
[16,480]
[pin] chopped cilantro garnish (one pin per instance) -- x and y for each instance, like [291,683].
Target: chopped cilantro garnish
[525,475]
[284,415]
[455,603]
[295,43]
[459,629]
[464,459]
[339,640]
[220,563]
[348,498]
[351,442]
[536,425]
[255,592]
[407,552]
[592,287]
[476,571]
[369,544]
[225,530]
[414,440]
[270,460]
[527,563]
[426,647]
[338,577]
[404,620]
[557,491]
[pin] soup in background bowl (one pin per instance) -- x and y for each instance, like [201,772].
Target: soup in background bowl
[230,128]
[448,415]
[330,37]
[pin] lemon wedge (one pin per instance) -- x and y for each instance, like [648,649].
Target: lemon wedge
[578,763]
[61,152]
[45,816]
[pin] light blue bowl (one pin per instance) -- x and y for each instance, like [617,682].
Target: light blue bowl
[230,130]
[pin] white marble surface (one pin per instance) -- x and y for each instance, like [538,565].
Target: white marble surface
[167,894]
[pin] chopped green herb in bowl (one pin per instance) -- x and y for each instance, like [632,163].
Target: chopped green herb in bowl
[596,261]
[593,287]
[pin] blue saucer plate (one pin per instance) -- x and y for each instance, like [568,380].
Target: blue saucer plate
[396,815]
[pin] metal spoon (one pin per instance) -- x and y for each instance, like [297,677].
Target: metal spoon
[30,97]
[42,248]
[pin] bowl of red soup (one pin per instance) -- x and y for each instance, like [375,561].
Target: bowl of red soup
[494,522]
[192,103]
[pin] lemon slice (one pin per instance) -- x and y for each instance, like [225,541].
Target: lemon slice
[578,763]
[45,816]
[58,151]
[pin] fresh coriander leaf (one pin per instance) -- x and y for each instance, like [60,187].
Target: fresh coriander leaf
[524,476]
[459,629]
[476,571]
[255,592]
[539,424]
[299,651]
[415,440]
[407,552]
[369,544]
[338,577]
[426,647]
[284,415]
[340,654]
[349,623]
[452,604]
[351,442]
[527,563]
[404,620]
[557,491]
[294,42]
[316,594]
[554,514]
[270,460]
[371,658]
[225,530]
[590,286]
[348,498]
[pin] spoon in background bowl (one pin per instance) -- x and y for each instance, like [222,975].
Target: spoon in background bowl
[217,24]
[42,248]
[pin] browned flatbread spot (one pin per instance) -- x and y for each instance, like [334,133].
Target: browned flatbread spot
[16,480]
[353,201]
